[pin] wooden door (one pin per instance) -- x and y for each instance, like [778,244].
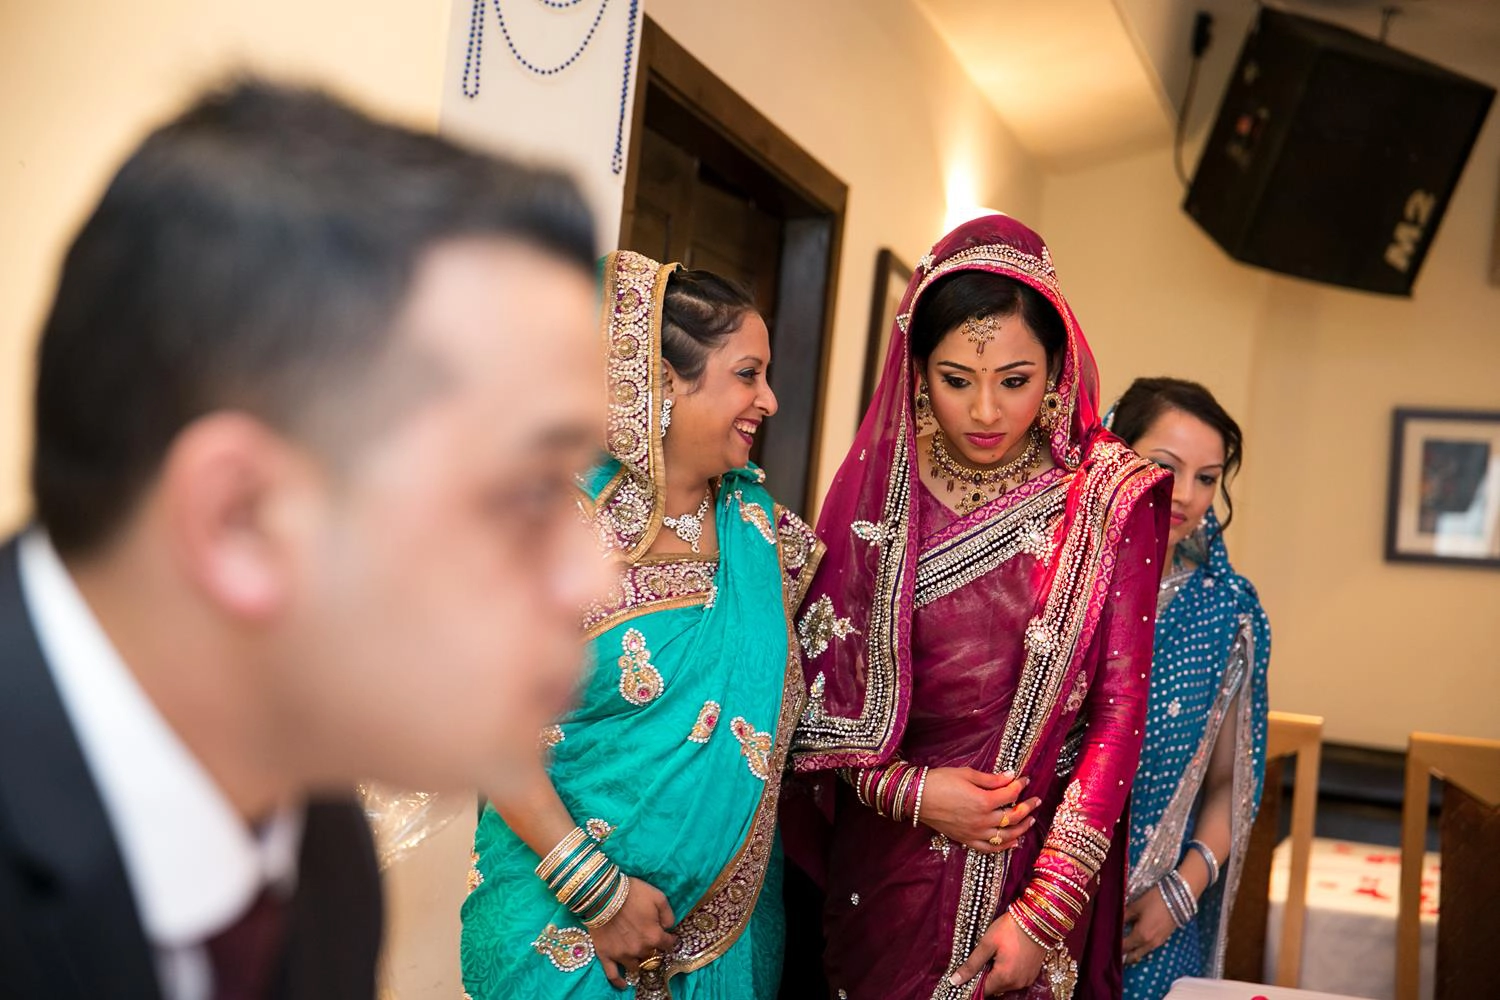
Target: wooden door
[685,213]
[713,184]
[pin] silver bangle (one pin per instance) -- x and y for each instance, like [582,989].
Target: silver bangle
[916,812]
[1208,859]
[1182,906]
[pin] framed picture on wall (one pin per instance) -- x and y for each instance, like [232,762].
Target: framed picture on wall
[891,279]
[1444,500]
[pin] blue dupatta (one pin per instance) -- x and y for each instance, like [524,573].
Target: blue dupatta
[1213,645]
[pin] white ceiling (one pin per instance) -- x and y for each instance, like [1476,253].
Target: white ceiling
[1084,81]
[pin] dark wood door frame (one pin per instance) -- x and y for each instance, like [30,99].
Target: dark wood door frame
[812,242]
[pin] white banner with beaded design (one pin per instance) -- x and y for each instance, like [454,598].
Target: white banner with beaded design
[549,82]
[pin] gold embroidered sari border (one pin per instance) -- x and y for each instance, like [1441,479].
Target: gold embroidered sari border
[872,728]
[618,618]
[715,923]
[634,288]
[1049,655]
[1027,526]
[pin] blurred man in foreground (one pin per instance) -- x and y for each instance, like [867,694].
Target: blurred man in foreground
[309,404]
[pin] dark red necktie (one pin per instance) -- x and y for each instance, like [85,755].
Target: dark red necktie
[247,954]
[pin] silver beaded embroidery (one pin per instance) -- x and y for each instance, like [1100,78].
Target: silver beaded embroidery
[813,713]
[1026,527]
[877,533]
[820,626]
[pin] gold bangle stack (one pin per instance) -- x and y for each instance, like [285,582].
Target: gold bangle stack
[584,879]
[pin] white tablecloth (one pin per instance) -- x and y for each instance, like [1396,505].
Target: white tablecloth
[1228,989]
[1349,938]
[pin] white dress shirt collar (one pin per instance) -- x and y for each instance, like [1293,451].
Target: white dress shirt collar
[193,865]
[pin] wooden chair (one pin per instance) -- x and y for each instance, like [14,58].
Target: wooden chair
[1288,735]
[1468,960]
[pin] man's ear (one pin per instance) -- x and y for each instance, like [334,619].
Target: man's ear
[220,485]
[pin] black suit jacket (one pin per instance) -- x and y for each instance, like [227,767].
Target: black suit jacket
[68,924]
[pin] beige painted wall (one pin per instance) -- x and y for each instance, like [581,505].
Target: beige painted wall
[867,87]
[1313,373]
[82,80]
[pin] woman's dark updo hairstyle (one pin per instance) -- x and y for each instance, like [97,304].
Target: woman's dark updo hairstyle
[1148,398]
[954,298]
[700,311]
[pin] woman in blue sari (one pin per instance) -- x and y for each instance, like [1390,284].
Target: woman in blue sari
[1203,760]
[642,852]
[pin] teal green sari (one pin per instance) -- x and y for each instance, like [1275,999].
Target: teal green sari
[672,759]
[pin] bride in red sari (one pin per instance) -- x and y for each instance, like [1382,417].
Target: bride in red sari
[977,646]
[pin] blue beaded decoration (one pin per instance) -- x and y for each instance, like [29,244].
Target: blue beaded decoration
[474,55]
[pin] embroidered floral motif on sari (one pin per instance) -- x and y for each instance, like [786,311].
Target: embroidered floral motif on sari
[1077,695]
[567,948]
[874,532]
[800,552]
[707,721]
[756,747]
[820,626]
[640,682]
[814,710]
[755,514]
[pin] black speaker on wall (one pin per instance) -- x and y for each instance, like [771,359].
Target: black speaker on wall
[1333,156]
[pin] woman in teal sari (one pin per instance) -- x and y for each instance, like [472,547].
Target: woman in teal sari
[642,852]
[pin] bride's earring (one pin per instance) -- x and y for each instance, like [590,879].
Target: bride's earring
[666,415]
[1051,407]
[924,401]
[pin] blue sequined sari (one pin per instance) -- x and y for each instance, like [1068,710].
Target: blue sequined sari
[1213,644]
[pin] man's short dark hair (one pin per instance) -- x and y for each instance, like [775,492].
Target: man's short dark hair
[251,254]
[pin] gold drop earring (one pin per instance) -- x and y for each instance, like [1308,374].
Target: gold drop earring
[924,401]
[1047,416]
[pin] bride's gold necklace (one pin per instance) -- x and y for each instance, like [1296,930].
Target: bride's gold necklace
[983,485]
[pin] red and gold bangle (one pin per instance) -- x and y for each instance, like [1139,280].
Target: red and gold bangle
[893,791]
[1059,894]
[1033,925]
[901,801]
[1050,910]
[1046,917]
[1025,928]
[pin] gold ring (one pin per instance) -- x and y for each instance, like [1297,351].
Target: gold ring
[653,963]
[996,839]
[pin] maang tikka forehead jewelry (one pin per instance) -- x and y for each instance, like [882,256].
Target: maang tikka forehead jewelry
[980,330]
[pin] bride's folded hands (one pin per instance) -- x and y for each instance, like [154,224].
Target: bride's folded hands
[977,809]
